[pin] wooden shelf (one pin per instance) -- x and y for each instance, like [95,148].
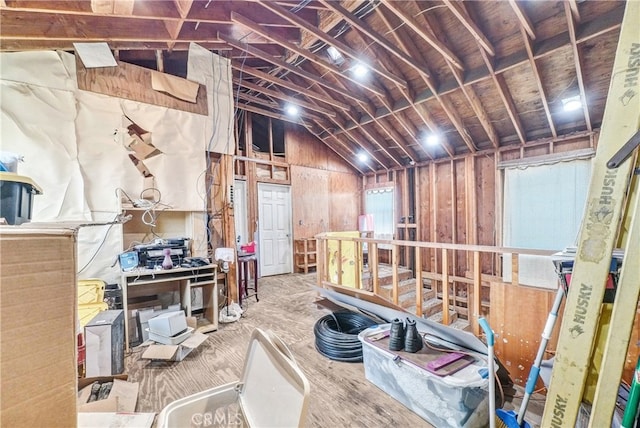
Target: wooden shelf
[305,254]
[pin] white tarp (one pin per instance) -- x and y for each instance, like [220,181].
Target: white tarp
[214,72]
[73,143]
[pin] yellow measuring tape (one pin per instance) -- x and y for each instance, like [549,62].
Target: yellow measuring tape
[606,203]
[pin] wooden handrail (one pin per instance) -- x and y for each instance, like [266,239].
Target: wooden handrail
[449,254]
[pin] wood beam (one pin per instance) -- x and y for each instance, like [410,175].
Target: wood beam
[242,68]
[434,28]
[505,96]
[586,32]
[578,63]
[390,130]
[273,105]
[536,74]
[457,8]
[296,70]
[377,140]
[420,110]
[525,23]
[257,28]
[284,97]
[347,147]
[374,35]
[396,8]
[351,115]
[573,4]
[159,61]
[343,48]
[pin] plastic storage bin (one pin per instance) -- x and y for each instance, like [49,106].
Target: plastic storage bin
[459,399]
[90,310]
[16,197]
[90,291]
[272,392]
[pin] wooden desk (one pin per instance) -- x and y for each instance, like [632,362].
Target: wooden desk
[149,282]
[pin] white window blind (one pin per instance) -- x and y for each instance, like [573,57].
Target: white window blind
[543,209]
[379,203]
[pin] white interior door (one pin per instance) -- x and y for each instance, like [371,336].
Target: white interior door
[240,212]
[274,227]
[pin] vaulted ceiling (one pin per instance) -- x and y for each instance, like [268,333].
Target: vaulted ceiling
[480,75]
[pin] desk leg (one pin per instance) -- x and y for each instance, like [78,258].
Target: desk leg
[255,278]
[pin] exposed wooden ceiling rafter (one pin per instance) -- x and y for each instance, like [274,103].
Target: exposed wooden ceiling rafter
[415,26]
[337,73]
[505,96]
[282,96]
[433,27]
[524,20]
[344,49]
[578,62]
[379,39]
[536,73]
[282,64]
[457,8]
[425,72]
[242,68]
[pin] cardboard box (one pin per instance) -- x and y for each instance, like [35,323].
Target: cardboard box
[38,342]
[122,398]
[104,337]
[174,352]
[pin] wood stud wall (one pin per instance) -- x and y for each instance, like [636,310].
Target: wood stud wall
[460,201]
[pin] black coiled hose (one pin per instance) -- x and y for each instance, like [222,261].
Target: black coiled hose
[337,335]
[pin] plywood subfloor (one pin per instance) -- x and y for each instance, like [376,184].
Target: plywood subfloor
[340,394]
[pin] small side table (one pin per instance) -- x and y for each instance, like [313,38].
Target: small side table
[244,275]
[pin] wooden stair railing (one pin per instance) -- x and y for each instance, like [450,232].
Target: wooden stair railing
[426,254]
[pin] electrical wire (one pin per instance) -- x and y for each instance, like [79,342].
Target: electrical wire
[104,239]
[337,335]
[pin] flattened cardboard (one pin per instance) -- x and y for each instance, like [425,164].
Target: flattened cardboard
[142,149]
[174,352]
[175,86]
[108,420]
[141,166]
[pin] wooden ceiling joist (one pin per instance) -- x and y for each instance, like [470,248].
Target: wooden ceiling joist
[366,29]
[346,50]
[534,67]
[505,96]
[576,59]
[238,65]
[457,8]
[337,73]
[524,20]
[296,70]
[412,23]
[284,97]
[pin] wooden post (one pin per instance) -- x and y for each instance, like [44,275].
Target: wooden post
[418,271]
[477,298]
[445,287]
[373,266]
[394,273]
[514,268]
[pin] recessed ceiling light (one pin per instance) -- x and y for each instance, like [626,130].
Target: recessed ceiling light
[362,157]
[433,140]
[334,55]
[292,110]
[360,70]
[572,103]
